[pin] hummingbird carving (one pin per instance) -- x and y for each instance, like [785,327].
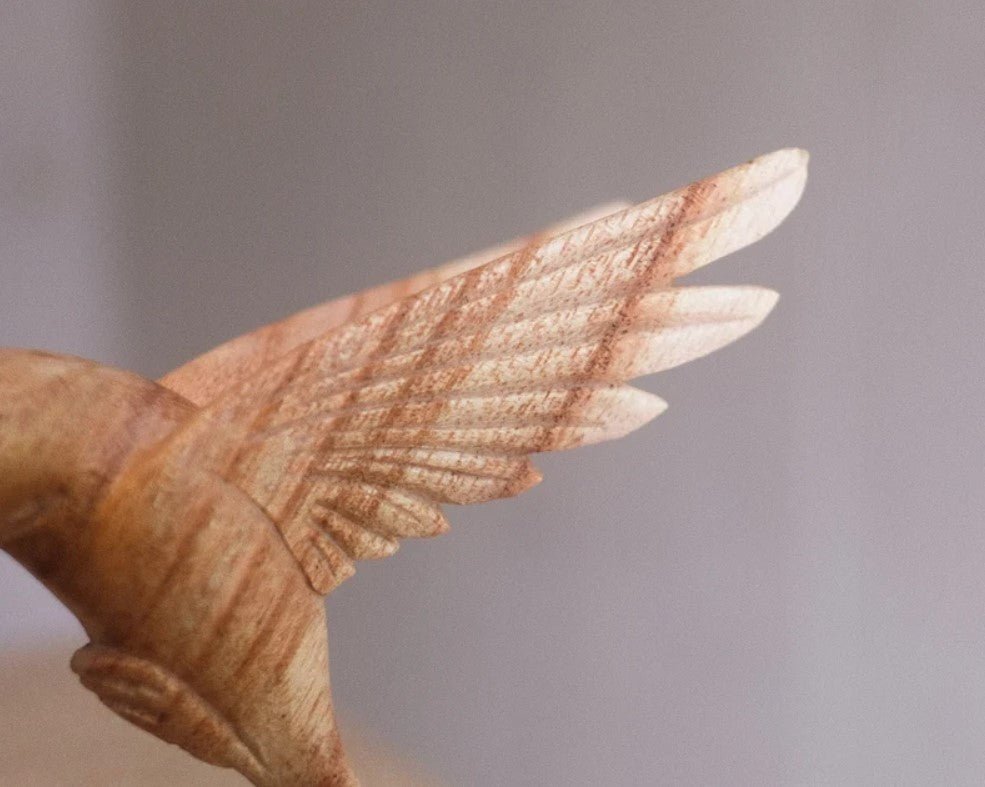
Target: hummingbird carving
[195,523]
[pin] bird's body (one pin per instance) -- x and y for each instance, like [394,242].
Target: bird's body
[194,524]
[184,586]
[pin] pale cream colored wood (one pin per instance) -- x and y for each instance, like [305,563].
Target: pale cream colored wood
[194,542]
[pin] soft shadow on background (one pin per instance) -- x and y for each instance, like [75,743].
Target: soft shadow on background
[780,580]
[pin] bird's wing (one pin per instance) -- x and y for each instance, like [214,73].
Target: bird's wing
[205,377]
[353,440]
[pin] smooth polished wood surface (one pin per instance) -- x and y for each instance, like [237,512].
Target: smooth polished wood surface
[54,735]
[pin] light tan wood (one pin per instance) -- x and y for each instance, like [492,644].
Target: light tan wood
[54,735]
[194,531]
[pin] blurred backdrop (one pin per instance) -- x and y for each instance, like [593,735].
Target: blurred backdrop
[777,582]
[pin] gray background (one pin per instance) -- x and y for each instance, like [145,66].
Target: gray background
[780,580]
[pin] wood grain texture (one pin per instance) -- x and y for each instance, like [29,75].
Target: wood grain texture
[194,525]
[201,379]
[54,735]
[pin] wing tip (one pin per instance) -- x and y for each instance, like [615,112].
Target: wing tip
[792,164]
[757,302]
[783,171]
[789,157]
[648,406]
[743,309]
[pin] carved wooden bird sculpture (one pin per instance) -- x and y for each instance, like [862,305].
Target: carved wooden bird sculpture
[194,524]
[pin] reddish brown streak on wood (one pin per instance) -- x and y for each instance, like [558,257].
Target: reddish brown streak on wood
[600,361]
[277,610]
[383,347]
[183,550]
[441,329]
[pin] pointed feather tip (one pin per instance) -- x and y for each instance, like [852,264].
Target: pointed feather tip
[784,158]
[742,310]
[785,166]
[658,406]
[753,303]
[778,165]
[646,407]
